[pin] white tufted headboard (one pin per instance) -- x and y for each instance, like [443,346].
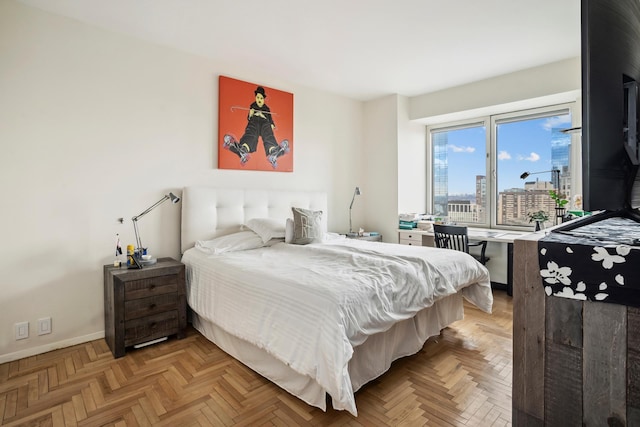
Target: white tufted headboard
[208,212]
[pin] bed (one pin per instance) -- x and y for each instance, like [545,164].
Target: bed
[317,319]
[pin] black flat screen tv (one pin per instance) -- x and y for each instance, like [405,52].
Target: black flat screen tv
[610,77]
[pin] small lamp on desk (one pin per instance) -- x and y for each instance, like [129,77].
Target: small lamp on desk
[139,248]
[356,192]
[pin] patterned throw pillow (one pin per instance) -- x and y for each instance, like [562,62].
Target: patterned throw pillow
[307,226]
[288,231]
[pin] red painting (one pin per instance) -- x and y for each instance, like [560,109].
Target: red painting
[255,127]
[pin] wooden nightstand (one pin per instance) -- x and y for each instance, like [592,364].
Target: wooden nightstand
[144,305]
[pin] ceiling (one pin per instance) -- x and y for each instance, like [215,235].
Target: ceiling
[362,49]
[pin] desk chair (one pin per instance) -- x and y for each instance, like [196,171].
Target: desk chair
[456,237]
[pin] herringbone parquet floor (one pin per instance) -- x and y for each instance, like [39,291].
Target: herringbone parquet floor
[460,378]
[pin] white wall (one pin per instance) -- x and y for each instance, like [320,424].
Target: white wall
[95,126]
[395,164]
[549,84]
[412,155]
[380,155]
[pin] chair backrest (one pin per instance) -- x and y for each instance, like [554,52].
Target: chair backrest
[451,237]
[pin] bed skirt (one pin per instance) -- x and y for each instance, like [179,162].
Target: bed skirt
[370,359]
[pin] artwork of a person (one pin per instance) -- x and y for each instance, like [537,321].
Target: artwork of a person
[260,125]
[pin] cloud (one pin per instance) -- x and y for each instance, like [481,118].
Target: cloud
[503,155]
[457,149]
[533,157]
[557,122]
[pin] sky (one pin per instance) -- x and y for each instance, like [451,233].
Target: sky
[518,151]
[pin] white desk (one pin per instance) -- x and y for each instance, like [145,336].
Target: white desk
[476,233]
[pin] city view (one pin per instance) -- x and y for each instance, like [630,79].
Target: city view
[532,158]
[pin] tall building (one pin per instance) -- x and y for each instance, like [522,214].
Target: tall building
[481,196]
[440,173]
[561,160]
[514,204]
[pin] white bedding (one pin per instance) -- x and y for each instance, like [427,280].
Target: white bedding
[309,306]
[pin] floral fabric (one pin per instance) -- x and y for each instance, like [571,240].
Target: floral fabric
[593,264]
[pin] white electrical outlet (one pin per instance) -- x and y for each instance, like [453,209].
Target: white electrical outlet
[44,326]
[22,330]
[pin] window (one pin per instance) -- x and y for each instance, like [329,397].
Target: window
[527,156]
[459,173]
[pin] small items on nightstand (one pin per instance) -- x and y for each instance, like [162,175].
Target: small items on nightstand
[372,236]
[118,261]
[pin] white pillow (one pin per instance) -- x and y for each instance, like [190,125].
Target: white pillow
[328,236]
[288,231]
[240,241]
[274,241]
[267,228]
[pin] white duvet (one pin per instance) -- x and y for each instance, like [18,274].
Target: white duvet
[309,306]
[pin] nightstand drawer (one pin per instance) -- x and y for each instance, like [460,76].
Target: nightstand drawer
[148,306]
[151,286]
[151,327]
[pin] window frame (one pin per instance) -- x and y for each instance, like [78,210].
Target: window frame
[490,123]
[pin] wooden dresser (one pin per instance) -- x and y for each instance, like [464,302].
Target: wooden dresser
[142,305]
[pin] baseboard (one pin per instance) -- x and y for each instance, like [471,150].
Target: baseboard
[10,357]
